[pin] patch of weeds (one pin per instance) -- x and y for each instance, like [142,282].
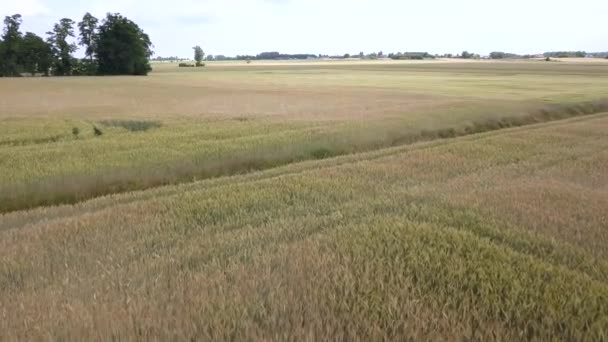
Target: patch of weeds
[132,125]
[242,118]
[321,153]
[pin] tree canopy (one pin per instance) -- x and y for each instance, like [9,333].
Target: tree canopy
[62,49]
[88,34]
[198,55]
[10,48]
[116,47]
[36,54]
[122,48]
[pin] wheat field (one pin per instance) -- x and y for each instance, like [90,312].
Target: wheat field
[411,201]
[177,126]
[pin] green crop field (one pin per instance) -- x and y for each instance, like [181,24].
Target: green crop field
[307,201]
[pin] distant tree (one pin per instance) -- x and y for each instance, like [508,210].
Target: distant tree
[565,54]
[412,55]
[268,55]
[10,46]
[380,54]
[122,48]
[361,55]
[466,55]
[199,54]
[88,31]
[62,49]
[209,58]
[36,54]
[497,55]
[346,55]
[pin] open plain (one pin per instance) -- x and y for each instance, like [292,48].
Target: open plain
[307,201]
[182,125]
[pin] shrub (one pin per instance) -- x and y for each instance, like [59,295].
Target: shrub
[199,64]
[187,65]
[97,131]
[75,131]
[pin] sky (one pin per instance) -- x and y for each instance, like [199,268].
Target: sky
[232,27]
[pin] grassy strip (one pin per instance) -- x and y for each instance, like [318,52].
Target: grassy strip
[69,189]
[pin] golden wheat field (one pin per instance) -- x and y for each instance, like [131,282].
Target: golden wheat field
[307,201]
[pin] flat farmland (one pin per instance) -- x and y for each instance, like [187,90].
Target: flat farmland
[179,125]
[493,236]
[320,200]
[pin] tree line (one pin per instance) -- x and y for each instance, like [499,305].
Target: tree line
[113,46]
[262,56]
[566,54]
[199,56]
[407,55]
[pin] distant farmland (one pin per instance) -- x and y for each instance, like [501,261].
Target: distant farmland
[177,126]
[303,201]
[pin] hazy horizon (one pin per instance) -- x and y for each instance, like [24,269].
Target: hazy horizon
[240,27]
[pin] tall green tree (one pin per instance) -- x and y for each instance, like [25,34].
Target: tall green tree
[36,54]
[88,31]
[62,49]
[122,47]
[198,55]
[10,47]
